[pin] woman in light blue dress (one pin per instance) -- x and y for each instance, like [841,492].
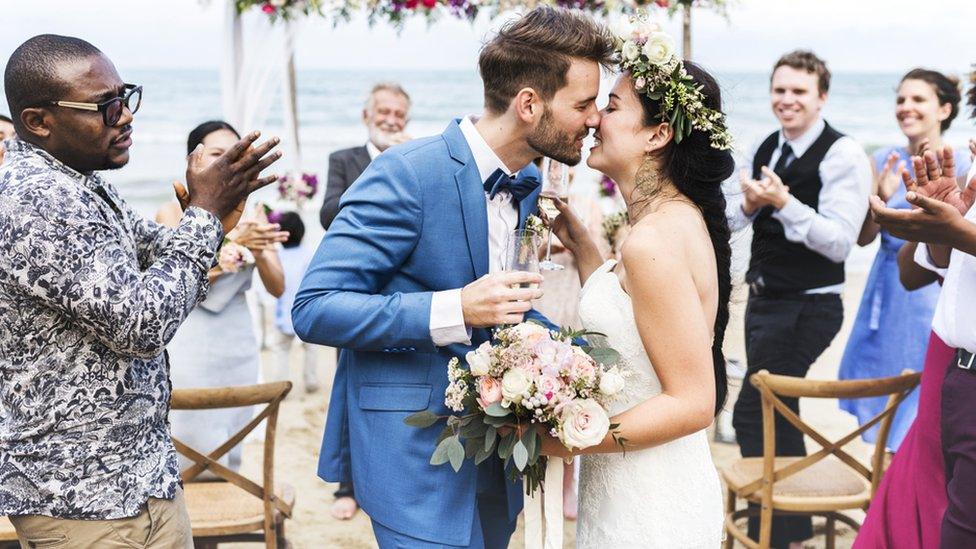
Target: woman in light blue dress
[216,345]
[891,331]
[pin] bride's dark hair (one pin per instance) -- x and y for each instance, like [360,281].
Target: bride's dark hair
[698,170]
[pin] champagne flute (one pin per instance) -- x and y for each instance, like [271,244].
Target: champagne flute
[555,184]
[522,254]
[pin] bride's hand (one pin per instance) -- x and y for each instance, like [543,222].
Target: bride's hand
[567,227]
[552,446]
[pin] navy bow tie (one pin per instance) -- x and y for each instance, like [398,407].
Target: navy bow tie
[519,188]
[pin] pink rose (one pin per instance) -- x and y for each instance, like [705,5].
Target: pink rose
[585,423]
[268,8]
[489,391]
[583,367]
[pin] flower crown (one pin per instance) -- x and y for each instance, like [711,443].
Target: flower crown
[648,53]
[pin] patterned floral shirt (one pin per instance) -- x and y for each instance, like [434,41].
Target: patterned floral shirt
[90,293]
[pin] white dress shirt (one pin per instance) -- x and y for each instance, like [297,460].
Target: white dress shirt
[446,316]
[831,230]
[953,320]
[373,150]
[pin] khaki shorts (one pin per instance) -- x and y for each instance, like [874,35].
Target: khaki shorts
[162,524]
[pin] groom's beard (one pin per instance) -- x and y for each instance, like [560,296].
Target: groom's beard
[549,141]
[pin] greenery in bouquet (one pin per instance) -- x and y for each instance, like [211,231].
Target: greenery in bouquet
[612,225]
[529,380]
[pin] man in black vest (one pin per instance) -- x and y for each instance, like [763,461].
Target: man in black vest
[385,115]
[806,213]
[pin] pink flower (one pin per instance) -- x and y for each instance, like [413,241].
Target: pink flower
[548,385]
[662,3]
[489,391]
[268,8]
[583,367]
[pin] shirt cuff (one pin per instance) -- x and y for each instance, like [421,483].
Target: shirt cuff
[198,237]
[447,319]
[924,259]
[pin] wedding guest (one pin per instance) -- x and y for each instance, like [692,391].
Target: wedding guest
[295,259]
[385,115]
[944,220]
[805,213]
[6,132]
[215,346]
[890,333]
[90,294]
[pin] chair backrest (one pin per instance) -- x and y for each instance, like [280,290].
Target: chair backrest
[269,394]
[772,387]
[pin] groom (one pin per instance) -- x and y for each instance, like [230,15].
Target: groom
[410,275]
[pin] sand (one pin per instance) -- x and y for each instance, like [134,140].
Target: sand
[302,419]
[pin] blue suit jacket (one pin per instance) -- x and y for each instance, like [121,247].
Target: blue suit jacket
[414,223]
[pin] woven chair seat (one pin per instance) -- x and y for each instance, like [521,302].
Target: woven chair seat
[7,532]
[828,479]
[222,509]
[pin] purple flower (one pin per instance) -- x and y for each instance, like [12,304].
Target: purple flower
[608,187]
[274,216]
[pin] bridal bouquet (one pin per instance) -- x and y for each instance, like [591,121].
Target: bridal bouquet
[530,378]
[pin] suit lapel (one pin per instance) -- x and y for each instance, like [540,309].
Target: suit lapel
[474,208]
[361,159]
[527,206]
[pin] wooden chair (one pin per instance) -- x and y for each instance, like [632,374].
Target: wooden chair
[823,483]
[235,508]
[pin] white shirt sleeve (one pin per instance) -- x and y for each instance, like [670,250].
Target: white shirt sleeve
[447,319]
[924,259]
[831,230]
[734,197]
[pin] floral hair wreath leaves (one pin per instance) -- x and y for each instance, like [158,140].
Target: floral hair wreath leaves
[648,53]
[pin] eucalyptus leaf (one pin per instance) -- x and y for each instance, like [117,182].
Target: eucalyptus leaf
[604,355]
[447,432]
[496,410]
[498,421]
[483,454]
[529,439]
[521,455]
[441,455]
[422,419]
[455,452]
[490,434]
[506,444]
[475,429]
[471,447]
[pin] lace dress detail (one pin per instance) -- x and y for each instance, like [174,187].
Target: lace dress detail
[668,496]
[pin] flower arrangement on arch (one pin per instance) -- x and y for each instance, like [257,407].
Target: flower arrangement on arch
[530,379]
[297,190]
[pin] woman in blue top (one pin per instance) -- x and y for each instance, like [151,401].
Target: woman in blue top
[891,331]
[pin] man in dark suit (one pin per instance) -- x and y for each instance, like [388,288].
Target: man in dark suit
[385,114]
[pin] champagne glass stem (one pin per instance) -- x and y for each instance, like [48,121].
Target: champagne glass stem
[549,247]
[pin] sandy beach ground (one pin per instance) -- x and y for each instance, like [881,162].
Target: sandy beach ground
[303,416]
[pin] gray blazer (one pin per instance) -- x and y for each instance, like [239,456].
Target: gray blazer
[345,166]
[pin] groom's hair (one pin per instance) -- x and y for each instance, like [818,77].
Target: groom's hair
[535,51]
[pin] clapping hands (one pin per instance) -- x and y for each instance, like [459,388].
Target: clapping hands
[939,203]
[768,191]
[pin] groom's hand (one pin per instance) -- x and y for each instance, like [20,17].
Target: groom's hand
[500,298]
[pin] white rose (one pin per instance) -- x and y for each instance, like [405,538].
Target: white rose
[585,423]
[659,48]
[630,51]
[515,383]
[611,382]
[526,329]
[646,28]
[478,362]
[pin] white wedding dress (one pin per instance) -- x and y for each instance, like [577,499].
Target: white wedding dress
[668,496]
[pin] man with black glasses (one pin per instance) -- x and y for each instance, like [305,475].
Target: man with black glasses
[90,294]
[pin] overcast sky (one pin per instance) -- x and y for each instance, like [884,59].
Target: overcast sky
[853,35]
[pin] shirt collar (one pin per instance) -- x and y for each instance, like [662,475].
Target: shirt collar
[484,157]
[19,150]
[373,150]
[802,143]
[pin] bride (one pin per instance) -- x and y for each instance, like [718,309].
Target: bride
[664,307]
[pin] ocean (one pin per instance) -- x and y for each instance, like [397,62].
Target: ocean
[330,104]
